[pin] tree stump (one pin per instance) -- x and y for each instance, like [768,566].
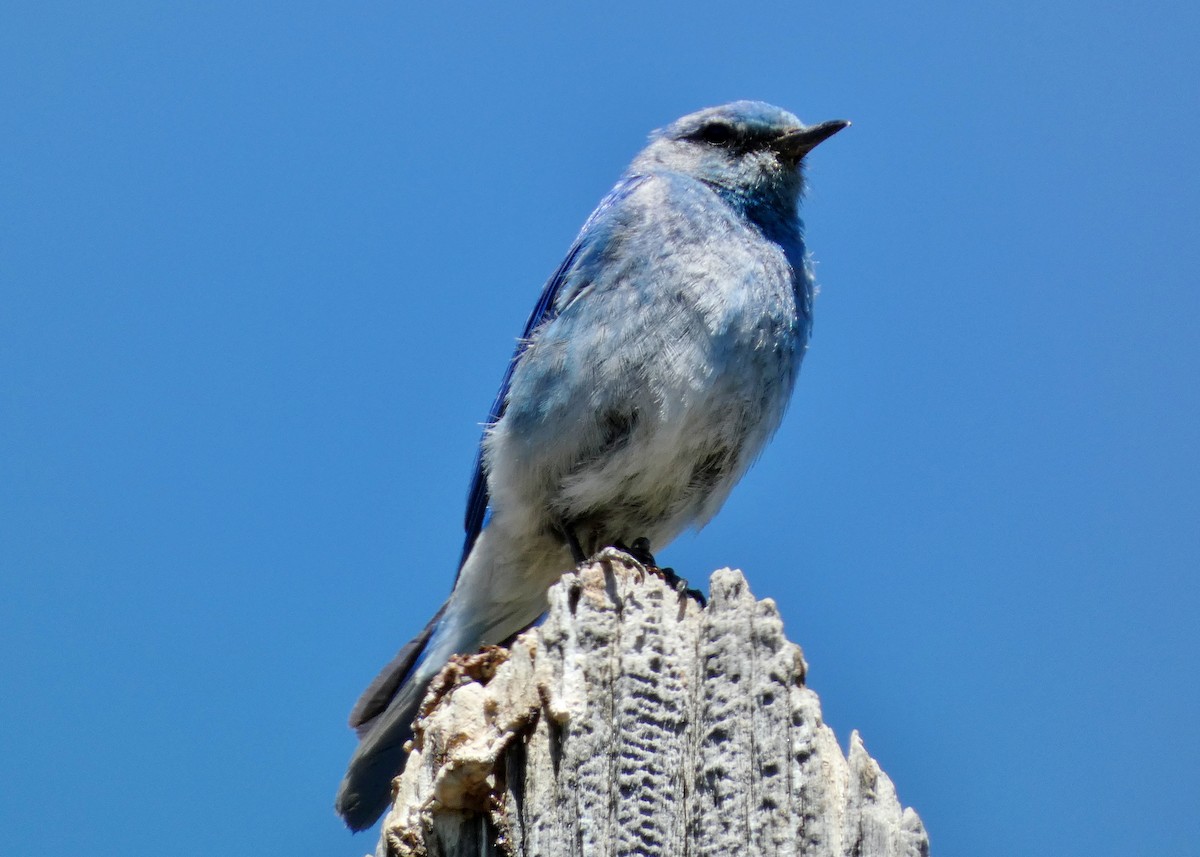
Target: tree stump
[635,721]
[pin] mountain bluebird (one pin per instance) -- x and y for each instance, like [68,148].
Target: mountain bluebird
[655,366]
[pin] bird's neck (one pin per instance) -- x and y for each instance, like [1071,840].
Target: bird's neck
[776,215]
[774,210]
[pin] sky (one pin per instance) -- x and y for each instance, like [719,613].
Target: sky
[262,264]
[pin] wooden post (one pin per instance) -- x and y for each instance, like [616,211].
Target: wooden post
[633,721]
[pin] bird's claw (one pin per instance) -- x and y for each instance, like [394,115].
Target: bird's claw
[639,549]
[680,585]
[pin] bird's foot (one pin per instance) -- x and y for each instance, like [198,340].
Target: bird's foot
[680,585]
[572,540]
[640,551]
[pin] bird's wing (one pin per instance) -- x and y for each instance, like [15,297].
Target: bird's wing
[546,309]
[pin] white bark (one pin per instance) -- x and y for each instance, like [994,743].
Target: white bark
[634,721]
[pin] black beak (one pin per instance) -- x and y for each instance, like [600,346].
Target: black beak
[796,144]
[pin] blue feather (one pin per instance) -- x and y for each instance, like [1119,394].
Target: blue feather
[545,310]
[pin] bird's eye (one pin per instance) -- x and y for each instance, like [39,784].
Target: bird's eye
[716,134]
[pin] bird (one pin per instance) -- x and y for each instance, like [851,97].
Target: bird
[658,361]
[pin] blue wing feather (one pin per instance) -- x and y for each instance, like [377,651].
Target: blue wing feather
[545,310]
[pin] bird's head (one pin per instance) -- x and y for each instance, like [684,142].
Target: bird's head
[749,151]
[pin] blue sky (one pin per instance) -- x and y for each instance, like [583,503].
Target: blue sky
[262,264]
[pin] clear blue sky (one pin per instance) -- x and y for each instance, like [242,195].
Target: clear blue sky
[262,264]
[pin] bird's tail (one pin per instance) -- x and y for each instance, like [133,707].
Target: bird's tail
[492,600]
[383,718]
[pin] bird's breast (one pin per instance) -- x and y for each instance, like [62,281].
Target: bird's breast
[636,409]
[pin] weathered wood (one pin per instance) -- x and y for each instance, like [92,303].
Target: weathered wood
[635,721]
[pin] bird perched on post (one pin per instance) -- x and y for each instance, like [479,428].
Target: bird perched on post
[655,366]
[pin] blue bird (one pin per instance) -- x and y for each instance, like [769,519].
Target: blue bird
[657,363]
